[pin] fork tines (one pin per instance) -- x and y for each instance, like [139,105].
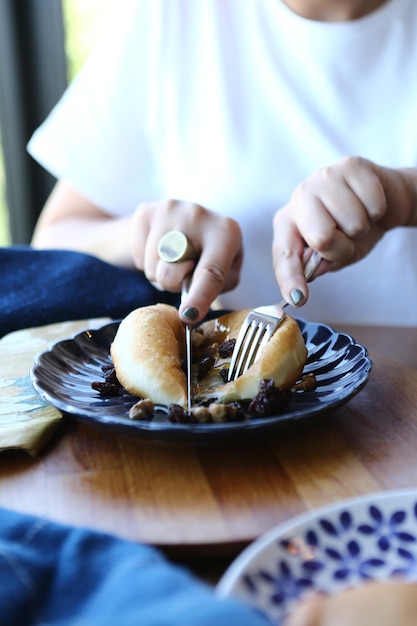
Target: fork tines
[259,326]
[253,335]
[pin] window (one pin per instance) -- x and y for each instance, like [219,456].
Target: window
[4,214]
[32,78]
[83,21]
[40,42]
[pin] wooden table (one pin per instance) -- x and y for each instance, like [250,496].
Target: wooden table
[204,504]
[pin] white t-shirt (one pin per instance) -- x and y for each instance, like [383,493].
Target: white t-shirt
[232,103]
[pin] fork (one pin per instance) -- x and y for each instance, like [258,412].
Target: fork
[259,326]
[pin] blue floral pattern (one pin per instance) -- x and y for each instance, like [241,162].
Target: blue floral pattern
[371,538]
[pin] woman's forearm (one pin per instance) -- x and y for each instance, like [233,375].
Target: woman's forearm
[410,177]
[70,221]
[104,238]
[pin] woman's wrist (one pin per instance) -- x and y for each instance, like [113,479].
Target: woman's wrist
[410,175]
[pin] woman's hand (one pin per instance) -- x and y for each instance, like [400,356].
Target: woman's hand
[217,241]
[341,211]
[371,604]
[69,220]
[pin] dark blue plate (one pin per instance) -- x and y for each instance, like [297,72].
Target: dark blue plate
[63,376]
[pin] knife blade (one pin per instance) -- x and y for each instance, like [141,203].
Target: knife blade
[188,346]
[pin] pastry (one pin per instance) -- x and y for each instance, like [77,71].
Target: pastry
[148,356]
[282,359]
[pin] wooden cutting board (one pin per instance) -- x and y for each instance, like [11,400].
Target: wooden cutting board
[213,500]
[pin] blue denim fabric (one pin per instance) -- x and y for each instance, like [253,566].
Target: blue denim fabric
[53,575]
[40,287]
[56,575]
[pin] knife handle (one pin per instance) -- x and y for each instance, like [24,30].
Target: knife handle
[186,286]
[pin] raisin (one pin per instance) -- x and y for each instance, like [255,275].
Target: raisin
[105,388]
[267,385]
[226,348]
[238,414]
[110,376]
[205,365]
[111,386]
[177,415]
[270,400]
[224,374]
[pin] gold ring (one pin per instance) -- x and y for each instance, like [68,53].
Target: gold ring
[174,247]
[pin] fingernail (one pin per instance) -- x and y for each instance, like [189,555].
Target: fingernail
[191,313]
[296,296]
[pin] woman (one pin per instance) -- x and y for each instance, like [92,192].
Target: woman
[263,127]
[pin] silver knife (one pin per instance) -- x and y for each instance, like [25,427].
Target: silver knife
[174,247]
[188,354]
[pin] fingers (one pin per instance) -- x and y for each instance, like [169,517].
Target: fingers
[308,612]
[290,256]
[210,278]
[381,603]
[337,212]
[217,243]
[347,197]
[217,270]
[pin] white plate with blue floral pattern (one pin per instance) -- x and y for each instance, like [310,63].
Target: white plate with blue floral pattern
[328,550]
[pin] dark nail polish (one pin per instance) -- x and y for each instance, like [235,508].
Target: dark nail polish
[296,296]
[191,313]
